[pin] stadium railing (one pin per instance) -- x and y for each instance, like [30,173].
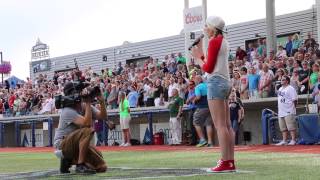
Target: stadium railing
[32,120]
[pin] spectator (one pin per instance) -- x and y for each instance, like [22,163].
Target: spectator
[192,107]
[253,80]
[296,43]
[175,111]
[317,51]
[235,81]
[16,105]
[294,80]
[315,92]
[125,118]
[133,97]
[304,78]
[240,53]
[235,114]
[265,82]
[47,105]
[244,83]
[289,46]
[173,85]
[290,65]
[181,59]
[119,68]
[150,94]
[309,42]
[113,97]
[182,87]
[11,100]
[249,50]
[158,94]
[98,128]
[277,79]
[200,116]
[272,66]
[314,75]
[261,48]
[281,53]
[164,68]
[287,100]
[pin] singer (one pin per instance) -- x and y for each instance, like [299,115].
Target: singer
[219,88]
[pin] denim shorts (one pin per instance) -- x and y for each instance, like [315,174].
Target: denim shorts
[218,88]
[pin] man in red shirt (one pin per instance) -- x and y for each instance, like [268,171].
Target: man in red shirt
[240,53]
[11,99]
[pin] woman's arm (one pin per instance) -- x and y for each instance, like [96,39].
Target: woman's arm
[213,51]
[208,63]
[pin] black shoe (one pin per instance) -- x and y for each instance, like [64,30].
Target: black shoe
[65,164]
[82,168]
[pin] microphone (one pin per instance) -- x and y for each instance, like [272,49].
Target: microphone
[196,42]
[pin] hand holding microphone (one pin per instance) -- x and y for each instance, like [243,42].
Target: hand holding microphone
[196,49]
[196,42]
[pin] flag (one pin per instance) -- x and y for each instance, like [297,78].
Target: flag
[147,137]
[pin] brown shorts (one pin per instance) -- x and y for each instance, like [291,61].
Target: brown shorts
[70,148]
[287,123]
[202,117]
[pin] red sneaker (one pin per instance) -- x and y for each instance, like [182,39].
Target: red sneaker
[223,166]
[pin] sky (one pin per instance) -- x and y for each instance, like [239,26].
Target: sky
[73,26]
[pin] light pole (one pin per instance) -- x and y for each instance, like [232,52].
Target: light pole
[1,63]
[271,27]
[117,52]
[318,18]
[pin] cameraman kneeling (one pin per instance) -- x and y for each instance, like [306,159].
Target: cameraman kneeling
[74,132]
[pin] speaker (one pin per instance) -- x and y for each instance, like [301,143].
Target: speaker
[192,35]
[104,58]
[247,136]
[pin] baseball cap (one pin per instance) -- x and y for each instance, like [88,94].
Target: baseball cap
[72,87]
[69,88]
[215,21]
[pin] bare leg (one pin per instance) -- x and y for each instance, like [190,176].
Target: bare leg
[199,132]
[293,134]
[123,136]
[219,119]
[128,135]
[230,130]
[210,134]
[284,135]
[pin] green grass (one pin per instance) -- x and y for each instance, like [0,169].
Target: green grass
[265,165]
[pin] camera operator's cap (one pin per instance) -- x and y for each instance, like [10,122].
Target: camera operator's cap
[216,22]
[69,88]
[73,87]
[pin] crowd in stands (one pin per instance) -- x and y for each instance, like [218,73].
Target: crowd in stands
[148,85]
[253,75]
[256,75]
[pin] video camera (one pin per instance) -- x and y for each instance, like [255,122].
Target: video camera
[72,93]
